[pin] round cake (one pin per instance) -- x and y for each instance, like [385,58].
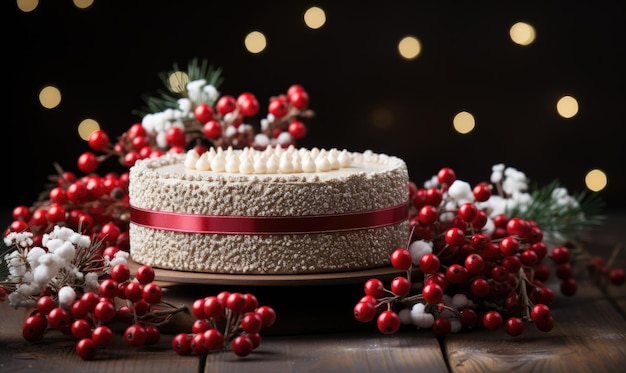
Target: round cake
[272,211]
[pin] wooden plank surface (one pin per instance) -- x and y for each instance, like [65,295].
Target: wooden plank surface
[589,333]
[589,336]
[316,331]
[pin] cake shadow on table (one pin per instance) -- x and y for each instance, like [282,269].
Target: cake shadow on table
[299,309]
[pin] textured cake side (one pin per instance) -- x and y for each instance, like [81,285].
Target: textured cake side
[291,195]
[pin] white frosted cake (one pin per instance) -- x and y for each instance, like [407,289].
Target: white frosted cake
[272,211]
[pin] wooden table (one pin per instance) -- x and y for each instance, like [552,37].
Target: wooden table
[317,332]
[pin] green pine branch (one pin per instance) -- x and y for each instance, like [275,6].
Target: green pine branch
[168,98]
[568,220]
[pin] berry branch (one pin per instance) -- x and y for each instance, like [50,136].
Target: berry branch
[477,266]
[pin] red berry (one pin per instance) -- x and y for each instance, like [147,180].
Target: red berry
[175,136]
[455,237]
[153,335]
[400,286]
[509,246]
[81,328]
[135,335]
[58,318]
[248,104]
[86,349]
[374,287]
[120,272]
[105,310]
[203,113]
[197,344]
[480,287]
[617,276]
[45,304]
[108,288]
[267,314]
[144,274]
[242,345]
[469,318]
[365,311]
[428,214]
[514,326]
[152,293]
[388,322]
[474,263]
[446,176]
[87,162]
[432,293]
[278,107]
[213,307]
[56,213]
[482,192]
[251,322]
[529,258]
[401,259]
[299,98]
[181,344]
[226,104]
[213,340]
[102,336]
[235,302]
[467,212]
[98,140]
[133,291]
[429,263]
[21,213]
[492,320]
[518,227]
[560,254]
[212,129]
[296,129]
[441,326]
[34,327]
[540,311]
[456,274]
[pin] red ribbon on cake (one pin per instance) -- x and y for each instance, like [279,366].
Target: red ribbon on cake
[222,224]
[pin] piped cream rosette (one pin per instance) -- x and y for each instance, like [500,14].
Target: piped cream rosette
[272,160]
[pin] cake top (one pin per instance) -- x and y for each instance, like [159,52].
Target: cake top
[272,164]
[272,160]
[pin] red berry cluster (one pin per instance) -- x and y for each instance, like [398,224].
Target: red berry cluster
[227,319]
[93,205]
[469,278]
[91,319]
[218,126]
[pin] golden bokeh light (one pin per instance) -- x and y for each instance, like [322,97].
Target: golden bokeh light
[83,4]
[27,5]
[464,122]
[409,47]
[567,107]
[255,42]
[382,118]
[315,17]
[86,127]
[596,180]
[50,97]
[178,81]
[522,33]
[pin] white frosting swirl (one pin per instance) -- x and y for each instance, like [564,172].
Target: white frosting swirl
[268,161]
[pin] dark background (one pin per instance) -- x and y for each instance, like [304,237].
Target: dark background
[105,58]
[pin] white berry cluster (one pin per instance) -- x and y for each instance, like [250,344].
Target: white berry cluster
[65,262]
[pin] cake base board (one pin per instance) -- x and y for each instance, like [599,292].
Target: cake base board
[330,278]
